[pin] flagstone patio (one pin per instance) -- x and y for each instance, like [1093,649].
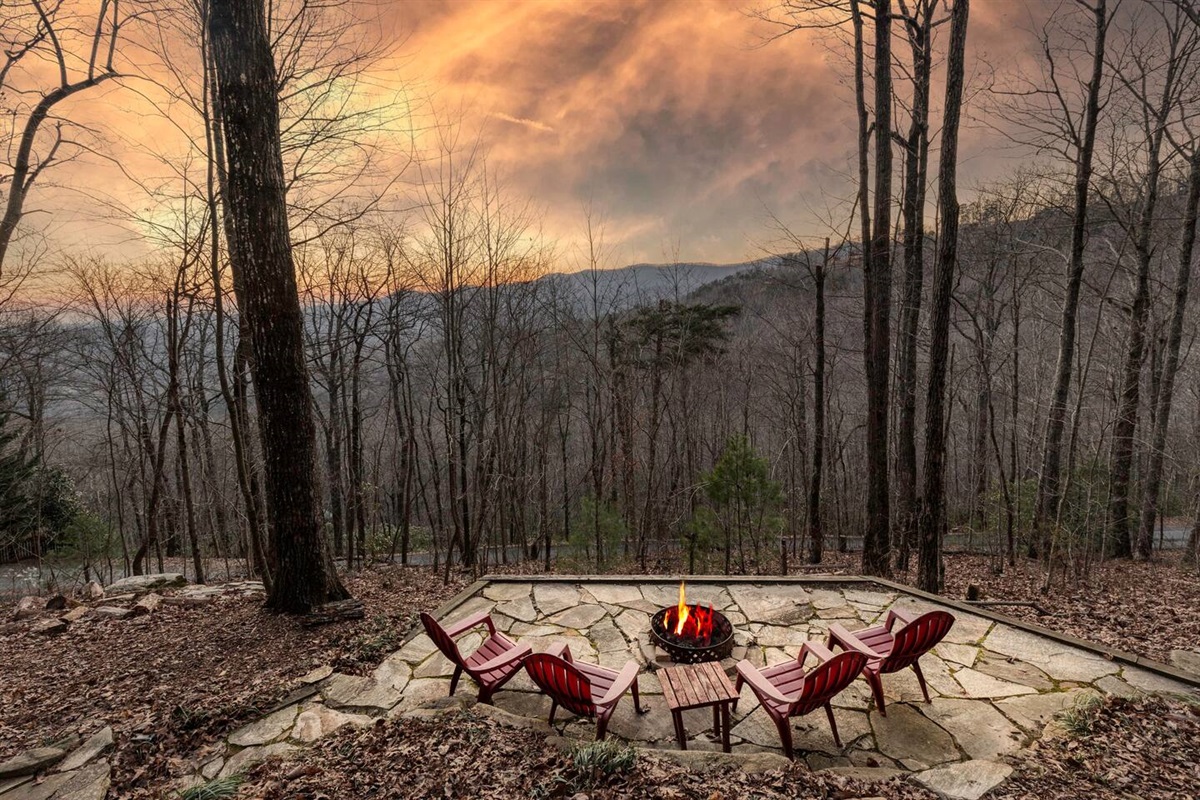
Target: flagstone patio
[996,684]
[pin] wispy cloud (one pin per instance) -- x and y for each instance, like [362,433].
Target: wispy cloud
[532,123]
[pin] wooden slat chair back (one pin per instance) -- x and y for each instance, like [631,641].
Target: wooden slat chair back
[444,642]
[889,649]
[588,690]
[786,690]
[563,682]
[491,665]
[826,681]
[916,639]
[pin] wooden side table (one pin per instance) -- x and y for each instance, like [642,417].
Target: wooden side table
[688,686]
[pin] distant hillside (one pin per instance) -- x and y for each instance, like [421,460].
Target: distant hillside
[641,283]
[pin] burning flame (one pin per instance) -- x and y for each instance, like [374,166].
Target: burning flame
[681,611]
[691,622]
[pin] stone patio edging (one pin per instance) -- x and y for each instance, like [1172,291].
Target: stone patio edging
[412,682]
[1110,653]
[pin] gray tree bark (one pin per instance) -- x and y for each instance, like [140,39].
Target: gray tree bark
[260,252]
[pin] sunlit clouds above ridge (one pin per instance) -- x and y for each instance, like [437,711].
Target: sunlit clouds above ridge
[674,118]
[675,121]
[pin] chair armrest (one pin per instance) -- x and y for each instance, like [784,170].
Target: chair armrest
[517,654]
[473,621]
[560,650]
[621,685]
[820,651]
[899,614]
[837,633]
[760,685]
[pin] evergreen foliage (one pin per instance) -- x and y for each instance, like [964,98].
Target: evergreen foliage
[744,507]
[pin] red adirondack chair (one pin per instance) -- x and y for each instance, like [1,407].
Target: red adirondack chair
[491,665]
[889,650]
[584,689]
[787,691]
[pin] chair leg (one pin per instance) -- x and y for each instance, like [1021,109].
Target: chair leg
[737,685]
[485,694]
[833,725]
[553,708]
[921,680]
[602,725]
[454,679]
[784,724]
[637,700]
[876,682]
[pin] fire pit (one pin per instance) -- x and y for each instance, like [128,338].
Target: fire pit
[692,634]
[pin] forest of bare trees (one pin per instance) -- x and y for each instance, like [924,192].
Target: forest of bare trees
[1009,363]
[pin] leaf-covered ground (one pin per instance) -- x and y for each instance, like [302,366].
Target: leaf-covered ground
[1122,749]
[1147,748]
[468,755]
[179,678]
[1147,608]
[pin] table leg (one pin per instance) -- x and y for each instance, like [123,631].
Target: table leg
[680,734]
[725,726]
[716,721]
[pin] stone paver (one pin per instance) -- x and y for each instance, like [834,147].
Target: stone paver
[980,730]
[1151,682]
[500,591]
[614,593]
[359,693]
[88,783]
[968,780]
[392,672]
[912,739]
[267,729]
[551,598]
[968,629]
[1014,670]
[97,744]
[317,721]
[580,617]
[31,761]
[1186,660]
[978,684]
[520,608]
[244,759]
[1032,712]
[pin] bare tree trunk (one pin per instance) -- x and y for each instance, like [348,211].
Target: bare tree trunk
[1049,494]
[877,290]
[915,185]
[1183,278]
[260,249]
[1119,543]
[214,187]
[933,510]
[816,530]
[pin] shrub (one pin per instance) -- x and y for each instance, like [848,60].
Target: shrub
[594,762]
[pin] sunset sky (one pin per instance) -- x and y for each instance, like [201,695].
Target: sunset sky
[673,119]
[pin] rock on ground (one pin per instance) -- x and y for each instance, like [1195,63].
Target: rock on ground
[144,583]
[966,780]
[28,607]
[31,761]
[88,751]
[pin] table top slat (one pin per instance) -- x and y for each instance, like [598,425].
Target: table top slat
[668,689]
[687,686]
